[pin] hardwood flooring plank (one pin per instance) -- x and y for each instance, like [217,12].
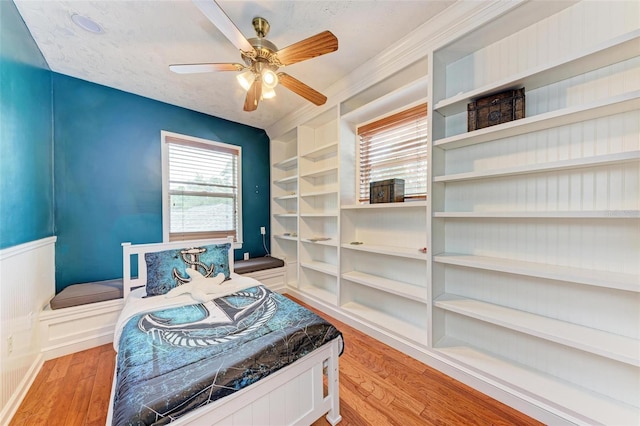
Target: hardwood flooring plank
[101,392]
[362,410]
[60,368]
[79,406]
[30,402]
[380,391]
[64,397]
[20,419]
[46,401]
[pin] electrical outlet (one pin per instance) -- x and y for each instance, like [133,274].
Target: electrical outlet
[10,344]
[246,256]
[263,230]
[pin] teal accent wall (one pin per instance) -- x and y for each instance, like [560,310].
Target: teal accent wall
[108,174]
[26,162]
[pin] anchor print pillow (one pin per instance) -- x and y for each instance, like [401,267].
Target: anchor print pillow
[216,259]
[168,269]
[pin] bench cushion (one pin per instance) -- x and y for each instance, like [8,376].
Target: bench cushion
[257,264]
[81,294]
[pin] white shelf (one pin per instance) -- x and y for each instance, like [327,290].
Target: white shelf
[286,237]
[616,50]
[587,407]
[330,243]
[285,215]
[391,323]
[325,268]
[319,173]
[320,193]
[574,163]
[318,214]
[404,205]
[322,151]
[286,197]
[320,294]
[586,214]
[607,279]
[609,345]
[610,106]
[406,252]
[287,164]
[288,179]
[399,288]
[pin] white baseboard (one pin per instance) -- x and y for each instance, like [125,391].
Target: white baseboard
[11,407]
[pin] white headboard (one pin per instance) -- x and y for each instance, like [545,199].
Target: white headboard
[128,250]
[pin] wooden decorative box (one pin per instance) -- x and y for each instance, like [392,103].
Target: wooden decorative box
[386,191]
[495,109]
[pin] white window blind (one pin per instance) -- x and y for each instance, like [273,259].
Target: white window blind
[395,147]
[203,190]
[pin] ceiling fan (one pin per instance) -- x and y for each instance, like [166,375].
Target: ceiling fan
[262,58]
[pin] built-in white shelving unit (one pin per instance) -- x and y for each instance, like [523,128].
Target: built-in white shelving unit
[383,258]
[284,203]
[520,273]
[536,222]
[319,214]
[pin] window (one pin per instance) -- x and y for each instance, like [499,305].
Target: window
[201,188]
[395,147]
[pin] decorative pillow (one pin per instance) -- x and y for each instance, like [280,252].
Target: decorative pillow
[162,270]
[216,256]
[168,269]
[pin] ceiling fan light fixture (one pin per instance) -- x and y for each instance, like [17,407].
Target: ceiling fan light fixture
[245,79]
[269,78]
[268,92]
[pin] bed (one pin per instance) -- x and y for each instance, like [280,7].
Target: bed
[198,344]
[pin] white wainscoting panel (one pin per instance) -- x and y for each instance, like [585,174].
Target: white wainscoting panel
[27,282]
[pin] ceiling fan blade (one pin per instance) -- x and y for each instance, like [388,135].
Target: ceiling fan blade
[216,15]
[301,89]
[319,44]
[253,95]
[196,68]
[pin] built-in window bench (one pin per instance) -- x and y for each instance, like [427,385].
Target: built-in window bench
[80,317]
[270,271]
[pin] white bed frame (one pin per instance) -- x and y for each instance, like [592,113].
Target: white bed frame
[294,395]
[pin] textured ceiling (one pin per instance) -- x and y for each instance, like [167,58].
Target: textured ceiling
[142,38]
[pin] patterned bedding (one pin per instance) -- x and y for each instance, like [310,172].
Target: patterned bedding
[176,359]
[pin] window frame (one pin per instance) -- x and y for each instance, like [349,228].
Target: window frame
[400,112]
[166,138]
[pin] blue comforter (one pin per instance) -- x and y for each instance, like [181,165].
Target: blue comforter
[175,360]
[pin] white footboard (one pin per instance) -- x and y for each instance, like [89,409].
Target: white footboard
[295,395]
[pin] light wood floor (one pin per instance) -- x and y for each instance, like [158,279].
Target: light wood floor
[378,386]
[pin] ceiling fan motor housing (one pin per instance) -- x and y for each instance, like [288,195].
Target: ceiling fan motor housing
[261,26]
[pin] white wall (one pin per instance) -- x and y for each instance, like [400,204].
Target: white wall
[27,283]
